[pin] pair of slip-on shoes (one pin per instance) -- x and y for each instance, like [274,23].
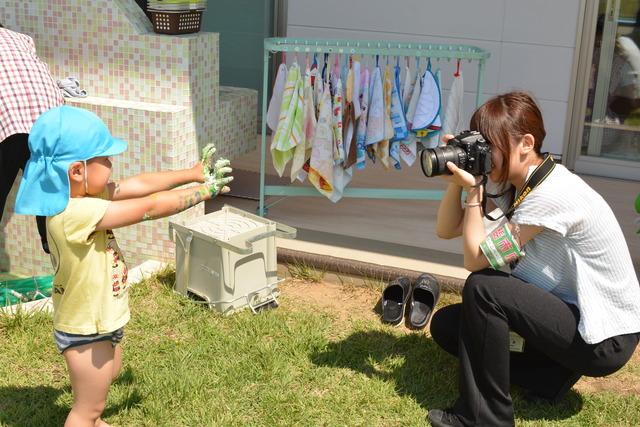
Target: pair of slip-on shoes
[418,299]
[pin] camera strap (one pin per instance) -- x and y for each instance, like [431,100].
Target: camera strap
[539,174]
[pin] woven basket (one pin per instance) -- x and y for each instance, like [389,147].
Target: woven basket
[184,22]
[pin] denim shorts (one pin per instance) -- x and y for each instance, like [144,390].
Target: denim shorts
[65,340]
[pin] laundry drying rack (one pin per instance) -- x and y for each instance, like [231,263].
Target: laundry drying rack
[357,47]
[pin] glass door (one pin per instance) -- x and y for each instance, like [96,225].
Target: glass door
[608,133]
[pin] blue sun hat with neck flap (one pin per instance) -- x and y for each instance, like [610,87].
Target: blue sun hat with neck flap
[59,137]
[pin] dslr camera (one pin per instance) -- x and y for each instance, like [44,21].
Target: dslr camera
[468,150]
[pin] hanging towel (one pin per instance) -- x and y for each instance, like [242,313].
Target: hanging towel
[453,113]
[321,164]
[350,135]
[289,131]
[437,122]
[429,103]
[338,148]
[413,104]
[382,150]
[407,89]
[341,178]
[273,113]
[397,118]
[375,119]
[349,121]
[315,76]
[361,133]
[408,147]
[356,89]
[302,151]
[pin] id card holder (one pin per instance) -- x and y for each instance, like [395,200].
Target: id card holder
[516,342]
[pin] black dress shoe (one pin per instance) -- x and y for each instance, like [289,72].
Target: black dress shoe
[424,298]
[440,418]
[394,300]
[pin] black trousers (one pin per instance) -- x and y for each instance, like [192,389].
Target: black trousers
[14,153]
[554,357]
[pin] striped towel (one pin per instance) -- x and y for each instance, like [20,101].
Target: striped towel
[289,131]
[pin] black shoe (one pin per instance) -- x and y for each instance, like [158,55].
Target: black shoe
[394,300]
[440,418]
[424,298]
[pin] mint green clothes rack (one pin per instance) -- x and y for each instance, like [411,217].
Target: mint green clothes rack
[357,47]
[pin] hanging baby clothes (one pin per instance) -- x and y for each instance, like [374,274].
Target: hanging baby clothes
[302,151]
[289,131]
[433,137]
[375,120]
[453,122]
[273,113]
[361,133]
[398,119]
[428,105]
[321,164]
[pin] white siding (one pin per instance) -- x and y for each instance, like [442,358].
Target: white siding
[532,42]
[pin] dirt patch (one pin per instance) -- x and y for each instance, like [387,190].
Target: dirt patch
[343,301]
[623,382]
[348,302]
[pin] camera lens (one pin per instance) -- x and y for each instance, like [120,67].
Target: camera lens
[434,160]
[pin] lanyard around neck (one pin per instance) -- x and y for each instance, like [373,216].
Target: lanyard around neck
[539,174]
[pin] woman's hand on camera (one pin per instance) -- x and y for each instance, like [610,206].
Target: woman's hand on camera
[461,177]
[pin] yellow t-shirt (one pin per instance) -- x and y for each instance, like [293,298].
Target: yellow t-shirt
[90,291]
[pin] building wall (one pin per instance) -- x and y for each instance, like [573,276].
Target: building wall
[532,42]
[242,25]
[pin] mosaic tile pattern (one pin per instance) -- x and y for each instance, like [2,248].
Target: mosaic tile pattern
[108,46]
[160,93]
[237,121]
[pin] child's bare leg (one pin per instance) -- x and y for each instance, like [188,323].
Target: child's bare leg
[91,369]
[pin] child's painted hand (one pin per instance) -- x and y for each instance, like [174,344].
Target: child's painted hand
[214,173]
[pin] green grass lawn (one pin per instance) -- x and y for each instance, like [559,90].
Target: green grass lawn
[303,364]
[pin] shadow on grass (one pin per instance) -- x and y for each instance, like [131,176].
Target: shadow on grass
[38,406]
[31,406]
[423,371]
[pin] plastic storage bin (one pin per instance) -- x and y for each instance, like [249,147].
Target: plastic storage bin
[228,259]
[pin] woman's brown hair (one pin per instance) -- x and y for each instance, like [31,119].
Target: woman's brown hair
[508,117]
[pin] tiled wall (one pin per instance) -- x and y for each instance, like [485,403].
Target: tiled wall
[238,120]
[158,92]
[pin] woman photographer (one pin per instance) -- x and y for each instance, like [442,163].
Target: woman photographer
[571,294]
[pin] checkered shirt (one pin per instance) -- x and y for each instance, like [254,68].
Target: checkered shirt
[26,86]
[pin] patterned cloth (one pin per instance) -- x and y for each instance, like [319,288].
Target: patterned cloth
[289,131]
[26,87]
